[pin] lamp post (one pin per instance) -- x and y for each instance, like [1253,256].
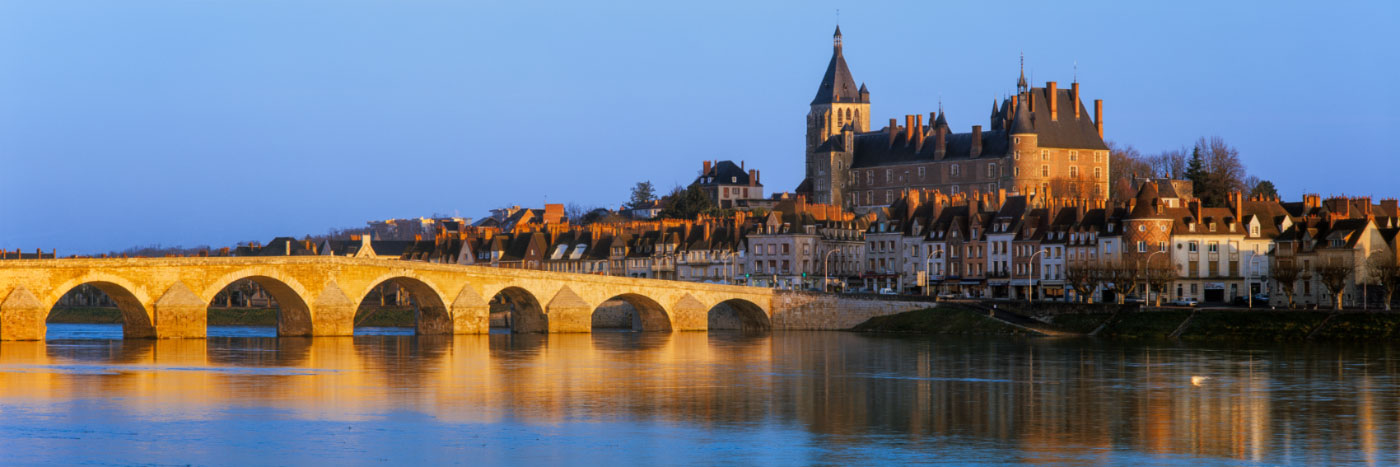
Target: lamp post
[1030,273]
[928,272]
[826,264]
[1146,283]
[1250,292]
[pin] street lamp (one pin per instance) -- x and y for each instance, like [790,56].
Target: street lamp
[826,263]
[1248,291]
[1148,284]
[1030,274]
[928,272]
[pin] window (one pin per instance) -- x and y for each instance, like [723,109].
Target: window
[889,196]
[1044,171]
[889,175]
[953,190]
[1074,156]
[1045,154]
[785,251]
[921,173]
[1192,247]
[1213,247]
[955,169]
[1017,140]
[1098,156]
[1016,172]
[1162,246]
[1254,231]
[1098,173]
[869,177]
[1073,171]
[1142,247]
[1016,155]
[991,170]
[869,197]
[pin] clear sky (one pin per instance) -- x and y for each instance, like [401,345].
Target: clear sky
[212,122]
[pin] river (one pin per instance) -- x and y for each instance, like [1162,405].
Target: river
[787,398]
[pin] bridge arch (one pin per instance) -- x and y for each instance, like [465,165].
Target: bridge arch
[137,322]
[646,314]
[526,313]
[431,314]
[293,313]
[130,301]
[738,314]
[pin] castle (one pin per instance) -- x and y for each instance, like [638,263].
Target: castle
[1040,140]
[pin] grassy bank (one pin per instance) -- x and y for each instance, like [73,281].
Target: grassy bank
[950,319]
[1131,324]
[380,317]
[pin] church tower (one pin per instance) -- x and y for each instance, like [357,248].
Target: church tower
[838,112]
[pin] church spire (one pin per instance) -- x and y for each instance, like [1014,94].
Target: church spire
[836,39]
[837,84]
[1021,85]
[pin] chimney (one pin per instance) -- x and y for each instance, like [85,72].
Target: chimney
[418,238]
[741,164]
[1098,116]
[940,143]
[892,129]
[1239,206]
[1074,91]
[706,167]
[1196,210]
[918,132]
[908,129]
[1390,207]
[753,177]
[976,142]
[1001,197]
[1053,100]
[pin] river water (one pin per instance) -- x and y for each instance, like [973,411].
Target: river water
[789,398]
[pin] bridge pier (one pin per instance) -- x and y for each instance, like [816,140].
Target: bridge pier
[22,316]
[180,313]
[568,312]
[333,313]
[688,314]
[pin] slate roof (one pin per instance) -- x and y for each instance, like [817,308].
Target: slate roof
[724,173]
[837,84]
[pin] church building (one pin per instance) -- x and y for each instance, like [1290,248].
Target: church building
[1040,140]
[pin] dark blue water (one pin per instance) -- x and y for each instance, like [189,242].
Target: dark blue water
[244,397]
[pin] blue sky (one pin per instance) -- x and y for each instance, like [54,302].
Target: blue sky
[213,122]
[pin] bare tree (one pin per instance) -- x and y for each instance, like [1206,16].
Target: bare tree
[1084,278]
[1159,275]
[1285,274]
[1169,164]
[1124,162]
[1385,270]
[1333,276]
[1125,278]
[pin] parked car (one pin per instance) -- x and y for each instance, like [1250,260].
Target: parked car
[1185,302]
[1133,299]
[947,296]
[1261,298]
[886,291]
[1240,301]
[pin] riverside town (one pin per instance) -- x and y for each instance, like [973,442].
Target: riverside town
[687,234]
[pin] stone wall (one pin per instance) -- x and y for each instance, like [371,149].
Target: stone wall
[803,311]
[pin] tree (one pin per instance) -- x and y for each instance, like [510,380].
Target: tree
[601,215]
[1215,171]
[1123,163]
[1159,275]
[1264,188]
[1385,270]
[1285,274]
[1333,276]
[1125,279]
[642,194]
[687,203]
[1084,278]
[1169,164]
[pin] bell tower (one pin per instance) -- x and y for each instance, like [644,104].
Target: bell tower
[838,112]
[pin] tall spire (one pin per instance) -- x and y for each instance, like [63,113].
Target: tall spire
[837,84]
[1021,85]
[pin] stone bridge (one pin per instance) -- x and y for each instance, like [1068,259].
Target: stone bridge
[318,296]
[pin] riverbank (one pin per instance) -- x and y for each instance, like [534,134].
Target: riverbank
[379,317]
[1132,323]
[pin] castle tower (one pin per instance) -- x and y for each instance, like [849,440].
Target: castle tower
[839,106]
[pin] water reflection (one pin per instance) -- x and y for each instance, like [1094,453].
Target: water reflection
[825,397]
